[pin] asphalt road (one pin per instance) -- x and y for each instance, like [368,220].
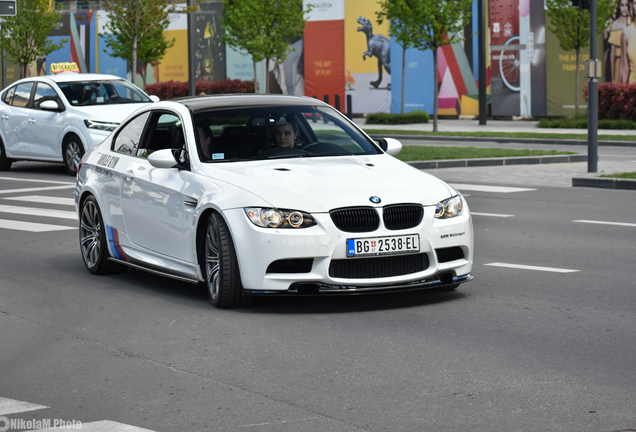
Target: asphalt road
[541,340]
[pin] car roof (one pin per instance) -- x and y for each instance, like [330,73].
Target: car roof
[72,76]
[202,103]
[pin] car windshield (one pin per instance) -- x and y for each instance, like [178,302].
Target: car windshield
[80,93]
[259,133]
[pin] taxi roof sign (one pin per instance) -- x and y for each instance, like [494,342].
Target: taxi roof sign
[64,67]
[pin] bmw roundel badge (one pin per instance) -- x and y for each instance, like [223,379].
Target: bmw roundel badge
[375,200]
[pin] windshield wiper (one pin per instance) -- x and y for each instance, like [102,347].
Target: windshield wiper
[284,156]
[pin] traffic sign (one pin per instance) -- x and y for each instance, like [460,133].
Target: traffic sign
[8,8]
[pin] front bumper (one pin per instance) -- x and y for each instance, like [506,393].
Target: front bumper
[325,289]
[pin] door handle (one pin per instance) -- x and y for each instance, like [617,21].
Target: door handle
[129,175]
[31,121]
[5,117]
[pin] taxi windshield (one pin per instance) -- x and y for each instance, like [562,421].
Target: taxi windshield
[80,93]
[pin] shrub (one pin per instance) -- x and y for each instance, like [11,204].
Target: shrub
[173,89]
[616,101]
[417,116]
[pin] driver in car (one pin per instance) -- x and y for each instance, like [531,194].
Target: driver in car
[286,134]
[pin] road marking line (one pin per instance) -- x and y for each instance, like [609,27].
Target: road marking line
[527,267]
[36,189]
[32,211]
[103,426]
[41,199]
[492,214]
[605,223]
[12,406]
[36,180]
[484,188]
[32,226]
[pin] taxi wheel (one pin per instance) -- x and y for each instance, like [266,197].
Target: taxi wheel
[5,163]
[93,241]
[222,277]
[72,152]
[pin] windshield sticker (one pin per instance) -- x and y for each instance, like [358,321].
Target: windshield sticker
[216,156]
[108,161]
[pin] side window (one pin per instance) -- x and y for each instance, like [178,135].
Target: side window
[167,134]
[127,140]
[43,92]
[22,94]
[8,96]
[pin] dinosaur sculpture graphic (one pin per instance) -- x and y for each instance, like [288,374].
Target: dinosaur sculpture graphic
[378,45]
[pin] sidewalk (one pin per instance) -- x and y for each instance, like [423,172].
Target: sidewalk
[500,170]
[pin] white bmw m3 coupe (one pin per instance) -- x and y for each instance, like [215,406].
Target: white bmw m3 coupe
[267,195]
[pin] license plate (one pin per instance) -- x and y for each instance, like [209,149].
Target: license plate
[375,246]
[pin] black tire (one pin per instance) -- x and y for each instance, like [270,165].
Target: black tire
[222,278]
[5,163]
[72,152]
[93,241]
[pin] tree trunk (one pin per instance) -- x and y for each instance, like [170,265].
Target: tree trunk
[267,75]
[255,78]
[144,73]
[576,84]
[435,99]
[403,74]
[134,52]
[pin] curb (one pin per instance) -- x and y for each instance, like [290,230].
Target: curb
[502,140]
[522,160]
[604,182]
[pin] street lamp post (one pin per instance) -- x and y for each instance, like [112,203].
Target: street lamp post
[481,40]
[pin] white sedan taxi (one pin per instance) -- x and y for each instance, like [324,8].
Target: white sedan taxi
[267,195]
[56,118]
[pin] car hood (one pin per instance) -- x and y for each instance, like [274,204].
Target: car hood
[325,183]
[112,113]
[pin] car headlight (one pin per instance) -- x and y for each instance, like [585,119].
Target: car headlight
[279,218]
[100,125]
[449,208]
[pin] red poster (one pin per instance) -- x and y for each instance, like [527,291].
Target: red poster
[324,60]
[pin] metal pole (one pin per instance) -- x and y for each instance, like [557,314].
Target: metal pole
[481,40]
[191,52]
[592,105]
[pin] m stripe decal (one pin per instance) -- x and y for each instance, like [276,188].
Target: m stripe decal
[113,243]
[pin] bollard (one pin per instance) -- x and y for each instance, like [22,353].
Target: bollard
[326,99]
[338,102]
[349,106]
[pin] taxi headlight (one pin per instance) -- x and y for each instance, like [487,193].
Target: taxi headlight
[100,125]
[449,208]
[279,218]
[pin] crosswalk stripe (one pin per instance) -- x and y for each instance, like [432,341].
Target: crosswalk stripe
[103,426]
[36,180]
[484,188]
[42,199]
[7,191]
[492,214]
[527,267]
[32,226]
[12,406]
[605,223]
[32,211]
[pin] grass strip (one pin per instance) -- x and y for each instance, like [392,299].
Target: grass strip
[625,175]
[536,135]
[425,153]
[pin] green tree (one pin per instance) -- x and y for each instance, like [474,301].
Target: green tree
[405,18]
[572,27]
[442,24]
[24,37]
[136,25]
[263,28]
[150,49]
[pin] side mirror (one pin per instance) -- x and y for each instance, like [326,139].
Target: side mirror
[50,105]
[154,98]
[163,159]
[390,145]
